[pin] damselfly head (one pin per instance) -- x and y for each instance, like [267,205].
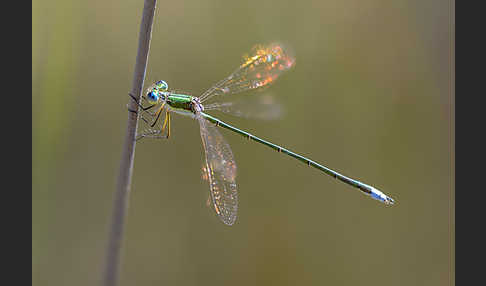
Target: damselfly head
[156,92]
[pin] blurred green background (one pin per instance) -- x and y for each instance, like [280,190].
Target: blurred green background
[370,96]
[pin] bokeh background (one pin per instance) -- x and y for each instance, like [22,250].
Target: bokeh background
[371,96]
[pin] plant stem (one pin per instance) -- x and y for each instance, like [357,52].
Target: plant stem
[122,192]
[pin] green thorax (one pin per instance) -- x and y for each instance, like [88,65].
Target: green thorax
[180,101]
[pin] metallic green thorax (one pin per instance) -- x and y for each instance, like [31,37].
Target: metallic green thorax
[180,101]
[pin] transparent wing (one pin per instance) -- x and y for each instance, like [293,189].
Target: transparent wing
[220,171]
[258,70]
[263,107]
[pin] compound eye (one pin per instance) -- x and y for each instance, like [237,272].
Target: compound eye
[162,85]
[152,97]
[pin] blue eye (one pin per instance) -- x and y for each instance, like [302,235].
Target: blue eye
[162,85]
[152,97]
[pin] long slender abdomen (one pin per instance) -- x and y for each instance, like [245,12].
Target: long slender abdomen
[366,189]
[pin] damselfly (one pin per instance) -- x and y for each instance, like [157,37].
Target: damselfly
[261,68]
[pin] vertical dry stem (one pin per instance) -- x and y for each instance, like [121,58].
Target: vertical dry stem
[122,192]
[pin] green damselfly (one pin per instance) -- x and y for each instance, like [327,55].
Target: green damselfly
[264,65]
